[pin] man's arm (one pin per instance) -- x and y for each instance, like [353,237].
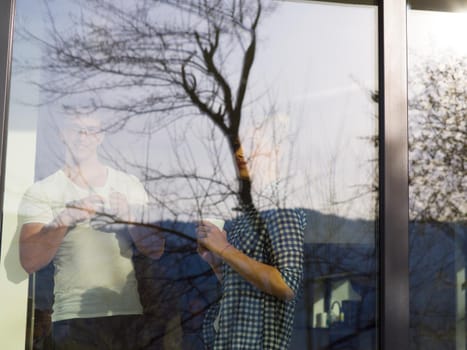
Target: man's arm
[39,242]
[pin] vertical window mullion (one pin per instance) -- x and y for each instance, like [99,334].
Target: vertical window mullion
[7,8]
[394,305]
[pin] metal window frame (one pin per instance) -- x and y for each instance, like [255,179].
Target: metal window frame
[7,14]
[393,245]
[394,191]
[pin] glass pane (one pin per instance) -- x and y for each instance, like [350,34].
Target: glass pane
[437,158]
[133,124]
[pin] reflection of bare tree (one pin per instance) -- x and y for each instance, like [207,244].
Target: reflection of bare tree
[437,158]
[165,59]
[438,151]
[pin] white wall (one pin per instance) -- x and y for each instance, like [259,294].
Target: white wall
[13,280]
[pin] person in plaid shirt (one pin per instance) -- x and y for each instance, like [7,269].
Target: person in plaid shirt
[260,265]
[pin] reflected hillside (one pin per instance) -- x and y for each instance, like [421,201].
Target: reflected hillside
[338,303]
[339,277]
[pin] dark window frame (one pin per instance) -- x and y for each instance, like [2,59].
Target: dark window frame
[7,13]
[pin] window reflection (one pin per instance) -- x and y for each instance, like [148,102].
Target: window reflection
[437,155]
[212,112]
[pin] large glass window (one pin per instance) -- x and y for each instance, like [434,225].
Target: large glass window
[133,121]
[437,178]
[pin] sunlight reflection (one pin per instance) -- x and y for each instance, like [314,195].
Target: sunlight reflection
[438,31]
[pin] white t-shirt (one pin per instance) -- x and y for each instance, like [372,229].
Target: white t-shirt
[94,274]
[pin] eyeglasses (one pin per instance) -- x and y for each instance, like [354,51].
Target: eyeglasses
[84,130]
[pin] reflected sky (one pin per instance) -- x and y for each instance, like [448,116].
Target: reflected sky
[306,118]
[433,33]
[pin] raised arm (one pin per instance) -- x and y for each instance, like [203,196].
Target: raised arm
[265,277]
[38,245]
[39,242]
[280,279]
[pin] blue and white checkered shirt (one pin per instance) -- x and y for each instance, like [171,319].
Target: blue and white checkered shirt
[248,317]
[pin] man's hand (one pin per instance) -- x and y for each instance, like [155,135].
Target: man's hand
[80,210]
[119,207]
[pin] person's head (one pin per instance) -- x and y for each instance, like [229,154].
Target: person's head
[82,136]
[242,164]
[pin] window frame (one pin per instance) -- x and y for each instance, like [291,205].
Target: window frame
[7,14]
[394,184]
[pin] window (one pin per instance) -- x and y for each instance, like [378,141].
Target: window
[162,114]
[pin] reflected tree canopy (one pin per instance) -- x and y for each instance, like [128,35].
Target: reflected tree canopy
[438,151]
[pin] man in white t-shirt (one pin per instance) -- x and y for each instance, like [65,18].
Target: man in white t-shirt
[82,219]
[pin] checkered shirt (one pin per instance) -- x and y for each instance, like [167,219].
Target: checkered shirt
[248,317]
